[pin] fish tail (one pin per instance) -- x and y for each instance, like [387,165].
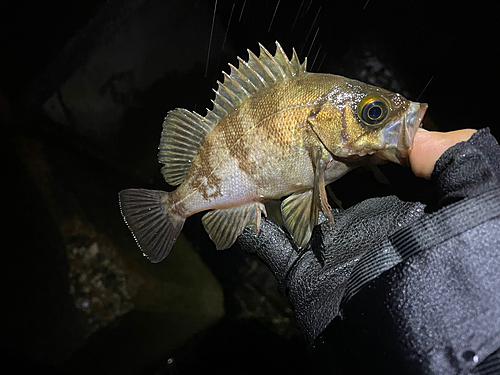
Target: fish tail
[154,227]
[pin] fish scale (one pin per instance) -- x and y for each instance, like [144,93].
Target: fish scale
[275,130]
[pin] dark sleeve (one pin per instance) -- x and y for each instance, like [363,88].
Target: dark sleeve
[468,169]
[426,300]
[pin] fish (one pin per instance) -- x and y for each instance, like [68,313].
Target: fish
[275,130]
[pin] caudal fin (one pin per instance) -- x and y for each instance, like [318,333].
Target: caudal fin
[155,230]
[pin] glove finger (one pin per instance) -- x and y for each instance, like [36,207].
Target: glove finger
[274,247]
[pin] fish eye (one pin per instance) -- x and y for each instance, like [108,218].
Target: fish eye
[373,109]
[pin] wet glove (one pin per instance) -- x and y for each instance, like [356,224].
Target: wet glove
[314,279]
[402,290]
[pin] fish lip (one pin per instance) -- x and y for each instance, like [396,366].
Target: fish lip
[398,137]
[413,116]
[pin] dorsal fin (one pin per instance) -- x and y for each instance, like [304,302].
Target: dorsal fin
[184,131]
[252,75]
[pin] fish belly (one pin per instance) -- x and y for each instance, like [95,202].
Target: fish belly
[225,187]
[234,183]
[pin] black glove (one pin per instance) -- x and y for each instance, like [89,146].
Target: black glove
[314,279]
[422,312]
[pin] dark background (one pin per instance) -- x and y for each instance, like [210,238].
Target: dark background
[84,86]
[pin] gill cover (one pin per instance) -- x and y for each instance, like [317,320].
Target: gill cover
[333,126]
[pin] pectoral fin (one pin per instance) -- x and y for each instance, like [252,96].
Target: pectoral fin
[224,226]
[254,222]
[320,196]
[300,210]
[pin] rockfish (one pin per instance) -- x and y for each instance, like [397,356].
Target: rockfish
[275,130]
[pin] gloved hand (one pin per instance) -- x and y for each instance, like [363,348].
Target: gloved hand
[401,290]
[314,278]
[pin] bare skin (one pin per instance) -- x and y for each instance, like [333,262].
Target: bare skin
[429,146]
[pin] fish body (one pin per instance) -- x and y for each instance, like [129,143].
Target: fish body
[275,130]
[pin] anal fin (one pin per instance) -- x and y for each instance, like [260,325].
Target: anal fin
[224,226]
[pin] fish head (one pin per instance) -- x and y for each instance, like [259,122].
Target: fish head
[357,120]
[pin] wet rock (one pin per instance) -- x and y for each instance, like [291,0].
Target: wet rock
[98,284]
[113,289]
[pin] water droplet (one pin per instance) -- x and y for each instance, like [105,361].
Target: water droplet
[469,355]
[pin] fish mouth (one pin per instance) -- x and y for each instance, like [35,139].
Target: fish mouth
[399,136]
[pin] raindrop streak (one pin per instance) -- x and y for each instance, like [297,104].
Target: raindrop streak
[274,14]
[242,8]
[227,28]
[428,83]
[366,4]
[316,56]
[310,48]
[297,16]
[308,6]
[321,63]
[210,42]
[309,32]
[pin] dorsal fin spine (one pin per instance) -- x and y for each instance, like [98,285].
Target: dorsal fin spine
[304,64]
[215,114]
[268,60]
[260,82]
[227,93]
[225,101]
[227,77]
[242,80]
[280,56]
[295,63]
[261,69]
[211,117]
[218,108]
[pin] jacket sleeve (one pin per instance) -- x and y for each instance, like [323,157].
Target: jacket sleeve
[425,300]
[468,169]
